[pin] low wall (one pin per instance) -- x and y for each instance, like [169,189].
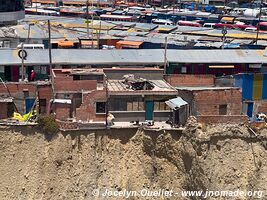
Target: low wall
[124,116]
[215,119]
[192,80]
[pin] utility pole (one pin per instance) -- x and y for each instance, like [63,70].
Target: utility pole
[87,22]
[92,39]
[224,32]
[165,55]
[22,61]
[49,47]
[258,28]
[98,35]
[29,32]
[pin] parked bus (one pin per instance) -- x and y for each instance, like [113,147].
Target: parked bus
[189,23]
[262,26]
[31,46]
[221,26]
[38,11]
[125,18]
[162,21]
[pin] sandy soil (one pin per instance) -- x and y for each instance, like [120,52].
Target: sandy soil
[72,165]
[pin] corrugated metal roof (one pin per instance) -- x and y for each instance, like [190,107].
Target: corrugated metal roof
[84,56]
[176,103]
[215,56]
[132,57]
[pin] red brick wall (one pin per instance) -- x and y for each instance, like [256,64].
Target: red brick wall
[77,85]
[62,111]
[177,80]
[211,119]
[87,111]
[207,102]
[17,87]
[3,110]
[261,106]
[67,125]
[45,92]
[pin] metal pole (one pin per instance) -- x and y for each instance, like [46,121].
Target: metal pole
[98,35]
[29,31]
[92,39]
[22,62]
[258,28]
[87,22]
[224,32]
[49,47]
[165,55]
[106,81]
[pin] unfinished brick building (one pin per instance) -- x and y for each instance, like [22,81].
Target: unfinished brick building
[212,100]
[139,96]
[22,96]
[192,80]
[80,96]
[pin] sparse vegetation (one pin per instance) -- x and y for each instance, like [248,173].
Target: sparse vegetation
[47,124]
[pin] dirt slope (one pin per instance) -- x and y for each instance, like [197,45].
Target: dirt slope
[72,165]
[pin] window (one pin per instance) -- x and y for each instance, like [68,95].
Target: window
[5,44]
[135,106]
[183,70]
[160,105]
[101,107]
[67,96]
[223,109]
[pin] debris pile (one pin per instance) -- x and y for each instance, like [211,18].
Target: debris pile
[137,83]
[7,32]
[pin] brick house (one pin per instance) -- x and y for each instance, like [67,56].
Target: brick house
[212,100]
[136,98]
[80,96]
[21,96]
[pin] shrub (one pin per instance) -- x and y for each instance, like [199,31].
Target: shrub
[47,124]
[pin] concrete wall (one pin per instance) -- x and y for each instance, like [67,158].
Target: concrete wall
[227,81]
[11,16]
[126,116]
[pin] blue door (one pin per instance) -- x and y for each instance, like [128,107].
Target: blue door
[29,104]
[250,109]
[149,110]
